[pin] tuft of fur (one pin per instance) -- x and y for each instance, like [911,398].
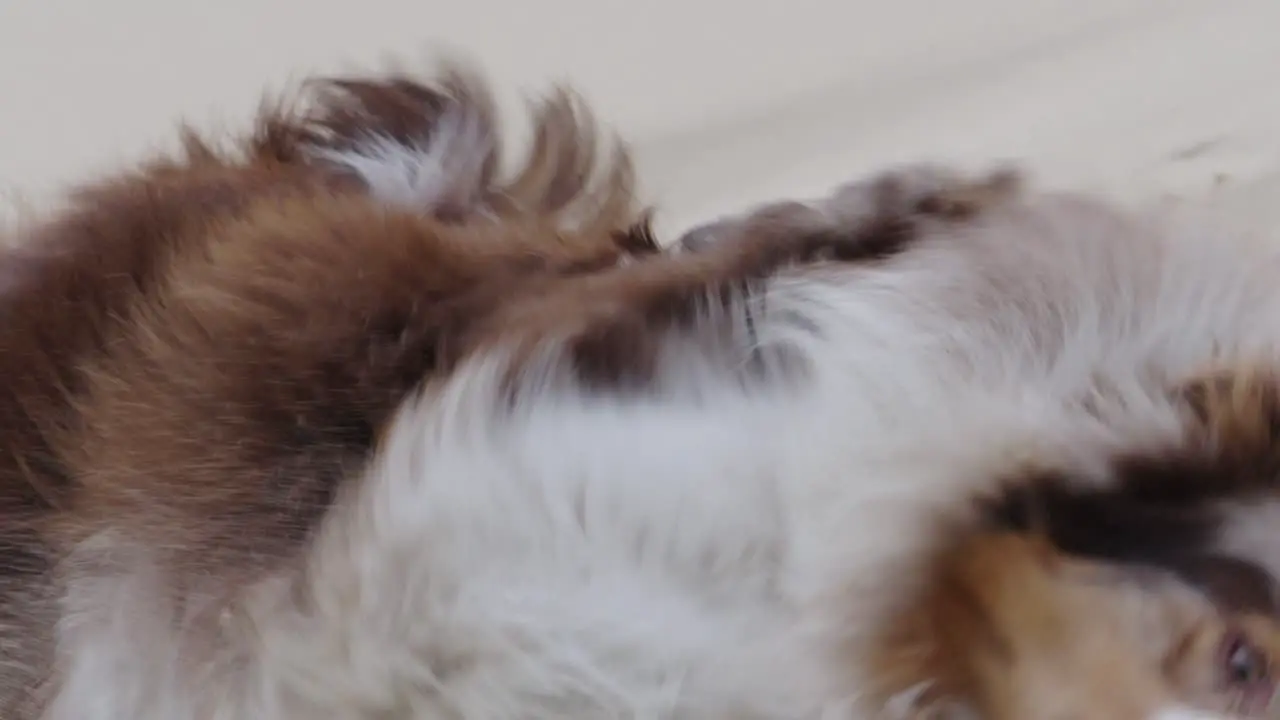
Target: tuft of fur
[435,146]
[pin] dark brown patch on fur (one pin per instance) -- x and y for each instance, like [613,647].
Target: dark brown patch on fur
[1167,507]
[1122,523]
[1114,525]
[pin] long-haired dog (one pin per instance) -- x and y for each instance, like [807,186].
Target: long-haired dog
[345,423]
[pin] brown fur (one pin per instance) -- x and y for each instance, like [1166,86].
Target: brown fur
[246,391]
[222,235]
[70,286]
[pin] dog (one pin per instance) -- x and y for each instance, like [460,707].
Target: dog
[371,439]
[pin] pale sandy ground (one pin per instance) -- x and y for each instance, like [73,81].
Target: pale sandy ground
[726,101]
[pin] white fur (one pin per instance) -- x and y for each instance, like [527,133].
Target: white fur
[714,548]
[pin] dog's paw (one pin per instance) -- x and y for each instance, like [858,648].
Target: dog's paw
[774,218]
[904,196]
[922,191]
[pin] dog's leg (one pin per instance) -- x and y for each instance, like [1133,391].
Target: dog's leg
[616,323]
[924,191]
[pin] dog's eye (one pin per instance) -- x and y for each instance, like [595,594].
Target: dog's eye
[1242,662]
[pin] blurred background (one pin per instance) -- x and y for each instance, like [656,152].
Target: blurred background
[725,101]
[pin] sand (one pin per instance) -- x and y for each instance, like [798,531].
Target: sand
[726,102]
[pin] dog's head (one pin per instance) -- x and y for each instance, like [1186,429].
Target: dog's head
[1113,597]
[1007,627]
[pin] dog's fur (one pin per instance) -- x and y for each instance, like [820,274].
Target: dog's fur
[370,431]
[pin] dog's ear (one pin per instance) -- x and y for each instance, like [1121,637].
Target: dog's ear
[1178,533]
